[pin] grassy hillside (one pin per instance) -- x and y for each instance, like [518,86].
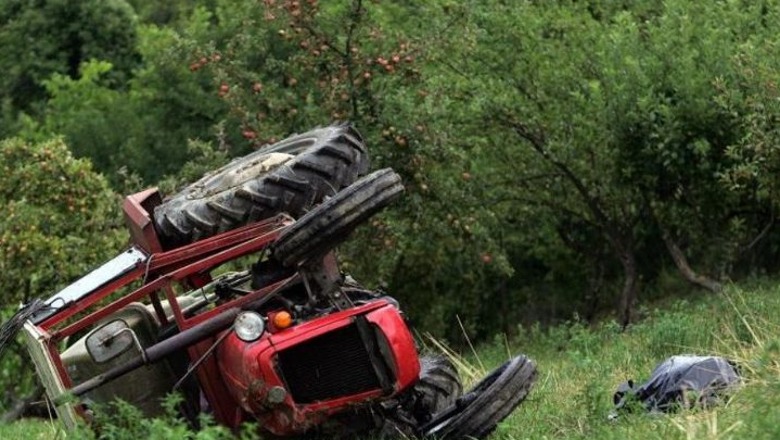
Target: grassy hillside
[580,368]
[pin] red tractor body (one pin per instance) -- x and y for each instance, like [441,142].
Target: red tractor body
[288,379]
[297,378]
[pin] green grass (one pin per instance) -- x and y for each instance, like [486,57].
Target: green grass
[580,367]
[32,430]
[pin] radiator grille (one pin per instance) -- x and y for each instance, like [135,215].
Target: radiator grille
[333,365]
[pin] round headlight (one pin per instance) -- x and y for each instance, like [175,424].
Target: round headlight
[249,326]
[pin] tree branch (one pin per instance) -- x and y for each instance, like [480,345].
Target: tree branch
[357,13]
[538,144]
[760,235]
[552,206]
[325,41]
[681,261]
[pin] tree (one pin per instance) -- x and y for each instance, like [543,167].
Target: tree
[55,36]
[143,128]
[751,96]
[61,219]
[607,119]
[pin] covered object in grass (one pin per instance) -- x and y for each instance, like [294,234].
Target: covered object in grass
[682,381]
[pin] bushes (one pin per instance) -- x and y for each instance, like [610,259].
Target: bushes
[122,421]
[61,218]
[55,36]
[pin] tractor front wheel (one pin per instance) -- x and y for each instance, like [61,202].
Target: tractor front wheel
[330,223]
[437,388]
[477,413]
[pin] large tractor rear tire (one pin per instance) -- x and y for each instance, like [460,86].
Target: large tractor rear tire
[289,176]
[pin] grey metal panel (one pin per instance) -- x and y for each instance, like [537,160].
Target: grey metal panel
[109,271]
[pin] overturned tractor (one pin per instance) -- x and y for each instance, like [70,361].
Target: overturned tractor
[231,295]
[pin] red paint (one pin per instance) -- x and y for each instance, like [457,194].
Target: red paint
[243,364]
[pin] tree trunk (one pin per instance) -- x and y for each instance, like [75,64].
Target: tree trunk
[684,267]
[618,230]
[628,295]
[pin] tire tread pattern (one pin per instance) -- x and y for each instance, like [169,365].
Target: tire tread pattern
[492,400]
[326,160]
[329,224]
[438,387]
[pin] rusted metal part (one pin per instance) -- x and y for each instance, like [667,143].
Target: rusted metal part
[136,208]
[176,265]
[323,281]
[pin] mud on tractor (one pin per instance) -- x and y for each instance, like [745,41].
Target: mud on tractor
[231,295]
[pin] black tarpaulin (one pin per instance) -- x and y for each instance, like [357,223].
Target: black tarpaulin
[682,381]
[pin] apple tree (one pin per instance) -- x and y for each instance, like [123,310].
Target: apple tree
[61,219]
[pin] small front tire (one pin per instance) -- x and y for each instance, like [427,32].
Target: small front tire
[477,413]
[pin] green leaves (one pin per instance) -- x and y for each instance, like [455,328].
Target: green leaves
[60,218]
[606,123]
[537,140]
[55,37]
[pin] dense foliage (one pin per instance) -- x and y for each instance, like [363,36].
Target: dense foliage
[61,219]
[47,37]
[560,158]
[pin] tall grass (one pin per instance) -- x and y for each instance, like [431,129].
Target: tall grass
[580,367]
